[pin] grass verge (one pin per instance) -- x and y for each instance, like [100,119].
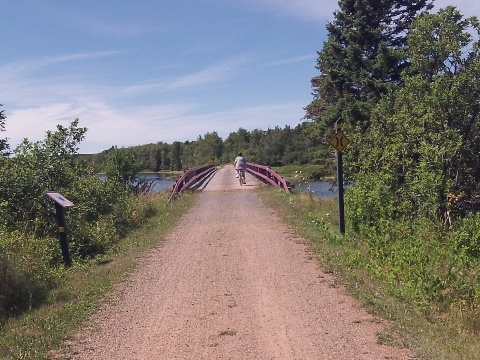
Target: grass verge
[39,333]
[315,220]
[305,172]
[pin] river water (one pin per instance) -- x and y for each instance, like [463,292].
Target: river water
[160,182]
[321,189]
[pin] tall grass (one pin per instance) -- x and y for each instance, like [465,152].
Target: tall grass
[43,304]
[31,266]
[415,273]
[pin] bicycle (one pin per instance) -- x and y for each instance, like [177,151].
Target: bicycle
[241,176]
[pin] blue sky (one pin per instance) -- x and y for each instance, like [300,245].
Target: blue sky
[142,71]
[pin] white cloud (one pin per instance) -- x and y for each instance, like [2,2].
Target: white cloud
[25,85]
[95,20]
[108,126]
[25,123]
[35,104]
[22,67]
[321,10]
[296,59]
[211,74]
[181,122]
[316,10]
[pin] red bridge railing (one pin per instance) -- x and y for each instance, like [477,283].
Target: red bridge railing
[195,177]
[268,176]
[191,179]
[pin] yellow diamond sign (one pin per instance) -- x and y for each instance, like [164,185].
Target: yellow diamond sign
[339,141]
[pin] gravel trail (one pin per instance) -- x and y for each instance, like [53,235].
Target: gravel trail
[231,282]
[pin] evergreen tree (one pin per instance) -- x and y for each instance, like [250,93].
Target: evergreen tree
[361,59]
[3,142]
[176,156]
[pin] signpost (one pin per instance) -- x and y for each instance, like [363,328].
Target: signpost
[340,141]
[60,204]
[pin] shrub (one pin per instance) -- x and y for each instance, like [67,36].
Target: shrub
[26,272]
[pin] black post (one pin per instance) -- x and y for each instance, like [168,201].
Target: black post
[63,235]
[341,208]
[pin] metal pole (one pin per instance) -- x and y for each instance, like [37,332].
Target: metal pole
[341,207]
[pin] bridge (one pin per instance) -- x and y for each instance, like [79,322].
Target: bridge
[197,178]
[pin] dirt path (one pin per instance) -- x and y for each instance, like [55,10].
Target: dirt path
[231,282]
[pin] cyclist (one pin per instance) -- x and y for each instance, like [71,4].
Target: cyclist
[240,165]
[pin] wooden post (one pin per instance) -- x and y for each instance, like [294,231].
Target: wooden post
[62,234]
[60,204]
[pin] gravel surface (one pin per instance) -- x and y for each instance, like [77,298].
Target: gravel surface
[231,282]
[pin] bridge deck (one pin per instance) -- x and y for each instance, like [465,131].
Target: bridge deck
[225,179]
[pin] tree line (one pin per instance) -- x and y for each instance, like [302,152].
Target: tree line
[272,147]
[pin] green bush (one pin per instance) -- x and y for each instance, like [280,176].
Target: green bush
[422,263]
[26,271]
[466,234]
[419,261]
[103,212]
[369,201]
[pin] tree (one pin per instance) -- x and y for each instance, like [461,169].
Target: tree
[421,154]
[3,142]
[236,142]
[361,59]
[176,156]
[273,146]
[450,74]
[122,167]
[213,147]
[36,167]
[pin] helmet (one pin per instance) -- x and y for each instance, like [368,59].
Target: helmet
[239,154]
